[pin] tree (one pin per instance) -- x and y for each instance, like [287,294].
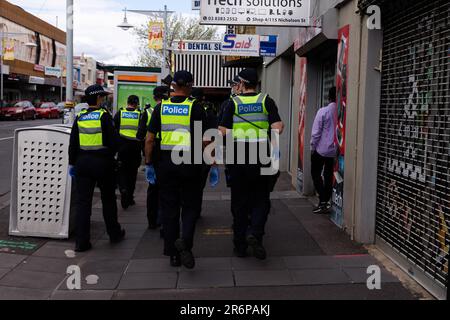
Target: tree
[180,28]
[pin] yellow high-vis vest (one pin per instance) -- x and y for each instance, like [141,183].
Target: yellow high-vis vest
[129,124]
[90,130]
[176,125]
[253,109]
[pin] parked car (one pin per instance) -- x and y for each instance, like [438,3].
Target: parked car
[47,110]
[78,108]
[23,110]
[61,107]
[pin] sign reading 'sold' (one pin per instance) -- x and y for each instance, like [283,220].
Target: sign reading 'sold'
[282,13]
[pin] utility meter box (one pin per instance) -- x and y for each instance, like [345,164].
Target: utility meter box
[41,187]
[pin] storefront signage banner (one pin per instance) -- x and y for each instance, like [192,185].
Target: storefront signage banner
[196,4]
[36,80]
[39,68]
[155,35]
[197,46]
[241,45]
[268,46]
[53,72]
[341,89]
[282,13]
[8,52]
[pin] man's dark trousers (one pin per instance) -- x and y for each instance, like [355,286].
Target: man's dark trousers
[129,164]
[178,195]
[323,185]
[250,203]
[93,170]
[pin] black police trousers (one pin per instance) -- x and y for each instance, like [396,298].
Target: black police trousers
[250,203]
[179,188]
[92,171]
[153,215]
[129,164]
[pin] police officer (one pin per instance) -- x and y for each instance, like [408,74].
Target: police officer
[154,221]
[93,145]
[174,120]
[250,116]
[235,90]
[211,123]
[127,121]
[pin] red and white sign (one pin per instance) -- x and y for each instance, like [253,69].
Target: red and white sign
[39,68]
[245,45]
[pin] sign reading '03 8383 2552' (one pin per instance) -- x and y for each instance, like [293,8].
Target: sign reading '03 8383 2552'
[283,13]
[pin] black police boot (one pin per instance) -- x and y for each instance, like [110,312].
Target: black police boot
[116,240]
[83,247]
[124,203]
[240,252]
[175,261]
[186,256]
[258,250]
[161,233]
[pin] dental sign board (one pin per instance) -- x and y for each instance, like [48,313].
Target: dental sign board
[281,13]
[241,45]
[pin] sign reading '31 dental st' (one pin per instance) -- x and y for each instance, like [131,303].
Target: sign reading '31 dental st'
[282,13]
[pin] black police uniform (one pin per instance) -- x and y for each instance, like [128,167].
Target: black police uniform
[153,215]
[130,159]
[95,168]
[178,185]
[250,191]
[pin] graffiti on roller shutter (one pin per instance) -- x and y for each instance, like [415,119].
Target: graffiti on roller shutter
[418,199]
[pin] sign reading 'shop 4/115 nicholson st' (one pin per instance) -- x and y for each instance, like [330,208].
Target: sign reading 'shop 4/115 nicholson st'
[283,13]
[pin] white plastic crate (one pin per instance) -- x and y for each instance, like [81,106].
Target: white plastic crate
[41,187]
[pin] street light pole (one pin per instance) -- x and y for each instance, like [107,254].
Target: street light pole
[164,65]
[69,50]
[1,68]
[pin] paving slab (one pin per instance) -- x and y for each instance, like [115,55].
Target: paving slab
[10,261]
[102,265]
[57,251]
[319,277]
[105,281]
[43,264]
[11,293]
[360,275]
[150,266]
[32,280]
[356,261]
[263,278]
[82,295]
[253,264]
[317,262]
[3,272]
[142,281]
[205,279]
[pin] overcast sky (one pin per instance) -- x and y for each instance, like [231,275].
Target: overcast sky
[95,32]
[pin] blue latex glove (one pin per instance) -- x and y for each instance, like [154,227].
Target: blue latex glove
[150,174]
[276,154]
[72,171]
[214,177]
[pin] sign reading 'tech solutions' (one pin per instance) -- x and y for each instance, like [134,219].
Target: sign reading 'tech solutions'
[283,13]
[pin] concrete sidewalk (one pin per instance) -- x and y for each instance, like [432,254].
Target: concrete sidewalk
[309,258]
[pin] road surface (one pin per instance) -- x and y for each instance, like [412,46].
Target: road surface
[7,129]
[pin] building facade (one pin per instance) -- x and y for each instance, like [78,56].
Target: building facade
[389,61]
[29,72]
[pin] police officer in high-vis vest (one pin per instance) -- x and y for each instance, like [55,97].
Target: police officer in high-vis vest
[250,116]
[174,121]
[127,121]
[93,145]
[154,220]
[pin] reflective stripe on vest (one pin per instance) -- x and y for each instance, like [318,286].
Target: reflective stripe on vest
[253,109]
[90,130]
[129,124]
[176,125]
